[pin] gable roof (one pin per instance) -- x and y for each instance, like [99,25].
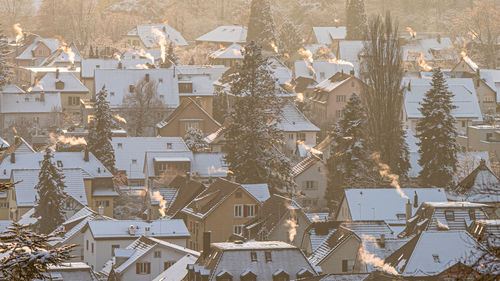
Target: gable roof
[178,270]
[30,103]
[209,165]
[27,54]
[61,57]
[481,185]
[259,190]
[319,70]
[187,190]
[150,34]
[292,120]
[49,80]
[326,34]
[88,66]
[305,164]
[225,34]
[272,212]
[431,48]
[186,104]
[334,240]
[120,228]
[234,51]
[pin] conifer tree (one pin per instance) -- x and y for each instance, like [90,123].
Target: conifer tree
[290,40]
[355,19]
[437,135]
[195,141]
[252,134]
[261,24]
[349,162]
[4,69]
[99,132]
[171,55]
[50,196]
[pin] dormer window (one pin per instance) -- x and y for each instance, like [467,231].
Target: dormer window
[253,256]
[131,88]
[59,85]
[59,163]
[185,87]
[169,145]
[112,94]
[134,161]
[449,215]
[120,145]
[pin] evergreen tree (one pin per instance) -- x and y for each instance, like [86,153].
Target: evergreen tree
[252,134]
[437,134]
[355,19]
[349,162]
[50,189]
[195,141]
[4,69]
[171,55]
[382,71]
[261,24]
[99,132]
[290,40]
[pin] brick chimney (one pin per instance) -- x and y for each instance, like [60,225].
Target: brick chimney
[57,73]
[13,157]
[86,154]
[408,210]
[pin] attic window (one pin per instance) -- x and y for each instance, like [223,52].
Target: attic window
[26,99]
[449,215]
[134,161]
[131,88]
[160,80]
[401,216]
[59,163]
[169,145]
[120,145]
[185,87]
[253,256]
[59,85]
[97,66]
[162,96]
[436,258]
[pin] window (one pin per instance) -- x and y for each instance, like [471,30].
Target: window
[4,204]
[113,247]
[120,145]
[185,87]
[157,254]
[191,125]
[59,163]
[102,203]
[301,136]
[249,211]
[449,215]
[73,100]
[463,123]
[87,245]
[167,264]
[472,214]
[162,166]
[237,229]
[253,256]
[311,185]
[347,265]
[59,85]
[26,99]
[322,75]
[339,113]
[169,145]
[134,161]
[340,98]
[290,136]
[112,94]
[92,247]
[268,256]
[401,216]
[162,96]
[143,268]
[238,211]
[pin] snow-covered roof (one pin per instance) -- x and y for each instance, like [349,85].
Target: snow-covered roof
[69,160]
[481,185]
[232,52]
[350,50]
[11,89]
[61,57]
[385,203]
[494,75]
[150,34]
[30,103]
[202,84]
[113,229]
[27,54]
[209,164]
[225,34]
[90,65]
[326,34]
[130,152]
[292,120]
[322,69]
[26,193]
[166,81]
[469,159]
[305,164]
[49,80]
[141,53]
[4,224]
[178,270]
[431,48]
[165,156]
[214,71]
[464,97]
[280,71]
[258,190]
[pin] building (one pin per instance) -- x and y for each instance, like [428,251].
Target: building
[28,76]
[329,35]
[230,56]
[71,271]
[69,57]
[269,260]
[178,270]
[102,238]
[223,208]
[351,51]
[144,259]
[35,50]
[224,35]
[308,74]
[436,52]
[311,177]
[148,36]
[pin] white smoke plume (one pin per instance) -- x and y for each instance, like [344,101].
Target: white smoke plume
[385,172]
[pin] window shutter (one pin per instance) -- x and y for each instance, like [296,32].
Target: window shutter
[245,210]
[256,209]
[137,268]
[148,268]
[344,265]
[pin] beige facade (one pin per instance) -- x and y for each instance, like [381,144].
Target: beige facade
[482,138]
[312,182]
[281,232]
[345,253]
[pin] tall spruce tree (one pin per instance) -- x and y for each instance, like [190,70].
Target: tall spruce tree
[4,68]
[355,19]
[171,55]
[252,134]
[382,71]
[99,133]
[50,196]
[290,40]
[261,24]
[349,163]
[437,134]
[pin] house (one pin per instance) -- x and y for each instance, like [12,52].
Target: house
[207,166]
[69,57]
[252,260]
[385,204]
[351,51]
[487,233]
[130,154]
[97,180]
[329,35]
[330,96]
[148,36]
[160,167]
[431,253]
[311,177]
[223,208]
[224,35]
[178,270]
[230,56]
[35,50]
[309,73]
[279,219]
[71,271]
[467,109]
[37,110]
[144,259]
[102,238]
[30,75]
[441,216]
[67,85]
[188,115]
[436,52]
[297,129]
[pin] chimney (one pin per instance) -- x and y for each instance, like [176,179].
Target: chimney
[206,243]
[409,86]
[439,38]
[147,77]
[408,210]
[13,157]
[147,230]
[120,65]
[86,154]
[42,97]
[57,73]
[382,240]
[415,200]
[352,72]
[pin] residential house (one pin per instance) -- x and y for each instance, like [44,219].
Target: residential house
[487,233]
[189,115]
[67,85]
[102,238]
[252,260]
[276,219]
[223,208]
[436,52]
[467,109]
[97,180]
[329,35]
[130,154]
[39,111]
[311,177]
[331,95]
[230,56]
[385,204]
[178,270]
[224,35]
[28,76]
[71,271]
[207,166]
[430,254]
[481,138]
[35,50]
[160,167]
[351,51]
[69,58]
[144,259]
[308,74]
[148,36]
